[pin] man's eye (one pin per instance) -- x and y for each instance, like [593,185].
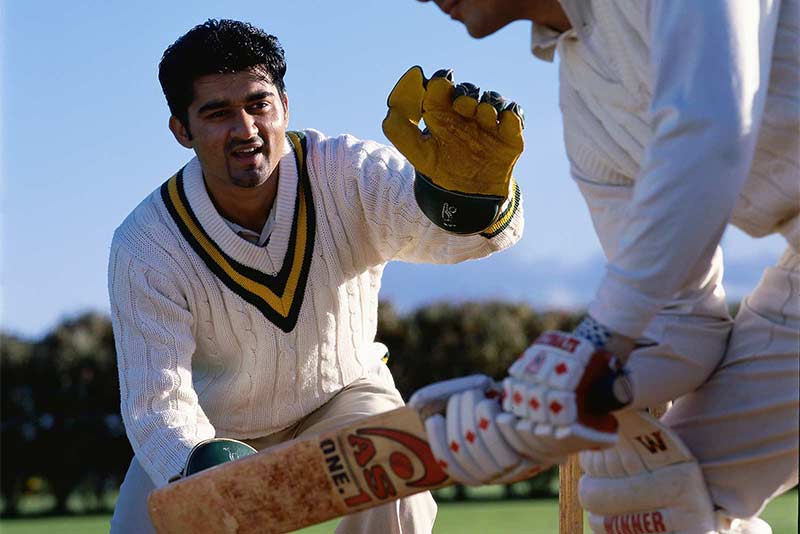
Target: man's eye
[216,114]
[259,105]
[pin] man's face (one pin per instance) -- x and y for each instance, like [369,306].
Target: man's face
[481,17]
[237,124]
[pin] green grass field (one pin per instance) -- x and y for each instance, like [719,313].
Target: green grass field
[471,517]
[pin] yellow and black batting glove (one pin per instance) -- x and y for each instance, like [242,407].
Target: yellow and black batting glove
[465,155]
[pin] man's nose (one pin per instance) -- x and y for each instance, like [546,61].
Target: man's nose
[244,125]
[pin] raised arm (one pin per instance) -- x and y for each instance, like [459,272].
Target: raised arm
[448,195]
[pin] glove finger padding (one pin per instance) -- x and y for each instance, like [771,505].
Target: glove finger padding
[551,382]
[465,106]
[458,432]
[475,444]
[551,389]
[533,441]
[469,445]
[404,114]
[433,397]
[475,432]
[407,94]
[436,428]
[465,159]
[486,117]
[503,454]
[438,95]
[512,465]
[512,122]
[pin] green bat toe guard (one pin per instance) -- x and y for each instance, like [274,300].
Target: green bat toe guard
[215,451]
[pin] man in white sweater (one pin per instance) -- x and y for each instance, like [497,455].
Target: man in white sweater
[244,291]
[680,117]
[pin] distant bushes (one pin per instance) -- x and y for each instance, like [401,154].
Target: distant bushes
[59,413]
[59,396]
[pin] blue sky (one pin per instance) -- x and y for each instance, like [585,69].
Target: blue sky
[85,139]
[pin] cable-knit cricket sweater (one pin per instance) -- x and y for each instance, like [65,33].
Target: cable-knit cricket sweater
[216,336]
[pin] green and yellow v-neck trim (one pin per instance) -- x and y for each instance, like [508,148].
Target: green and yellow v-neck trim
[277,297]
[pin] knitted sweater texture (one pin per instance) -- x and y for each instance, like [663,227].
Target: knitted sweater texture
[219,337]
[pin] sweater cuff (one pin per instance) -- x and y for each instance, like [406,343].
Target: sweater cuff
[623,309]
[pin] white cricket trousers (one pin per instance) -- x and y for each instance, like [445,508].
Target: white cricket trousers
[739,416]
[367,396]
[742,424]
[736,389]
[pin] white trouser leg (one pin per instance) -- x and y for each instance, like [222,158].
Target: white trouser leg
[685,351]
[130,512]
[742,424]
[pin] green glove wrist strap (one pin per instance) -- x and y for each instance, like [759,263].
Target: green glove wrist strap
[460,213]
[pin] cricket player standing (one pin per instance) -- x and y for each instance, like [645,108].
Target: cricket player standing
[244,291]
[679,118]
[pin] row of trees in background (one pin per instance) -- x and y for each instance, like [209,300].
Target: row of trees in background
[59,396]
[59,413]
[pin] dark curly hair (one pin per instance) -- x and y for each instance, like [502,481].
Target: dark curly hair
[217,47]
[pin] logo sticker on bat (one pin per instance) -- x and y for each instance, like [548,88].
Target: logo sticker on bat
[371,463]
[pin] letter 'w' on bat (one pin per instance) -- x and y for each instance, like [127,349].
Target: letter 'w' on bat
[305,481]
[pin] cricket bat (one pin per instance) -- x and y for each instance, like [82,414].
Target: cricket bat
[305,481]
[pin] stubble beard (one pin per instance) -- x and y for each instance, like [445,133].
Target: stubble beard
[250,177]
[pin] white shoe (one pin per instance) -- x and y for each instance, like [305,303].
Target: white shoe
[755,525]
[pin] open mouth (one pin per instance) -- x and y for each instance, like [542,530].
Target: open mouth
[246,153]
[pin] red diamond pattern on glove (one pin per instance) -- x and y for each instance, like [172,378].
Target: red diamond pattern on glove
[454,446]
[483,424]
[470,436]
[442,464]
[555,417]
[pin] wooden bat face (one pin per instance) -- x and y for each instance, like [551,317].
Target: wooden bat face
[305,481]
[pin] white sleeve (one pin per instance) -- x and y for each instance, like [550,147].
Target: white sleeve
[375,185]
[154,342]
[710,64]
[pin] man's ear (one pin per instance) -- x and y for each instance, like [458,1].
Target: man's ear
[285,100]
[180,132]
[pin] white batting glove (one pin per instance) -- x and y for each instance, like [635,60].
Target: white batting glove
[467,443]
[559,396]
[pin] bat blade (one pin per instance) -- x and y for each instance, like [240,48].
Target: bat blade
[305,481]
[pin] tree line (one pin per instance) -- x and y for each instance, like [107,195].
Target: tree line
[59,395]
